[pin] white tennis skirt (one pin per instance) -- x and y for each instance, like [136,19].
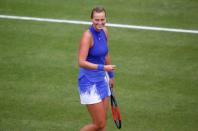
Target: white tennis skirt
[93,92]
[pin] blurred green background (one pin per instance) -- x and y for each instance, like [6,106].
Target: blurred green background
[156,76]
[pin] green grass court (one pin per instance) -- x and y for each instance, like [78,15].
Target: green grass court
[156,76]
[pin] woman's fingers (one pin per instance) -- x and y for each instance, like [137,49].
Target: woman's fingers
[110,67]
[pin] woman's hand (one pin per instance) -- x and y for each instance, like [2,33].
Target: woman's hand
[109,67]
[111,82]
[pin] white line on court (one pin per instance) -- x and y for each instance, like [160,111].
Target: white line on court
[108,24]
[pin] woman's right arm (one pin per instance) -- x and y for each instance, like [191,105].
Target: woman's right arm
[85,44]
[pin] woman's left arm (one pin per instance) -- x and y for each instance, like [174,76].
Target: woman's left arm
[108,61]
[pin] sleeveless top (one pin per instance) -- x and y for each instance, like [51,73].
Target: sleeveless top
[96,55]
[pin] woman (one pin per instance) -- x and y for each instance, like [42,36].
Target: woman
[96,73]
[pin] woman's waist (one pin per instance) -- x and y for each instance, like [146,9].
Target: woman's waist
[92,75]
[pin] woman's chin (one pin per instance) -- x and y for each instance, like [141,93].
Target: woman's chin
[100,27]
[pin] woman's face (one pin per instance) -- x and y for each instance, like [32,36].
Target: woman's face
[99,20]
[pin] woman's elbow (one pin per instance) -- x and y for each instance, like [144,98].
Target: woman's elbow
[81,63]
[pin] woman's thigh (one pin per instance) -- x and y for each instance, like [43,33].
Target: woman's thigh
[106,104]
[98,113]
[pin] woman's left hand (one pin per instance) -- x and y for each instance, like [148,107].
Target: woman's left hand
[111,82]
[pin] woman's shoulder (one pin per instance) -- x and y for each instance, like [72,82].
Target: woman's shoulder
[86,38]
[106,32]
[105,29]
[87,33]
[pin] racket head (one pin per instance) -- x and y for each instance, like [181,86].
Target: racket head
[115,111]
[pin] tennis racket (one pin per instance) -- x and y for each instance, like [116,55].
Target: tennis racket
[115,110]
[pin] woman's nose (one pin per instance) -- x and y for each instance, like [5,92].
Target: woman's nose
[100,22]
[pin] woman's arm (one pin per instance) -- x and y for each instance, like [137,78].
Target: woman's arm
[85,44]
[107,58]
[108,62]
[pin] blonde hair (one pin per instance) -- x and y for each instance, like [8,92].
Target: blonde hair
[98,9]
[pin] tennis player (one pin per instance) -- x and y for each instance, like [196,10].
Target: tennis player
[96,72]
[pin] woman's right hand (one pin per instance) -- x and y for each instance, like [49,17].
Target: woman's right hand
[109,67]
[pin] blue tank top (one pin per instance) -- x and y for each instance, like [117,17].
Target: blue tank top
[96,55]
